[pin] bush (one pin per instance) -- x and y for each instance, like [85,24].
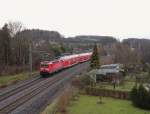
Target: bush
[63,102]
[83,82]
[140,97]
[86,80]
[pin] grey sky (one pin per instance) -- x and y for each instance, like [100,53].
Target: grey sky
[119,18]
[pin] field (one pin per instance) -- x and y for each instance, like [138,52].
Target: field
[11,79]
[89,105]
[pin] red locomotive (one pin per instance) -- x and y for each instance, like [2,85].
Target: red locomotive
[49,67]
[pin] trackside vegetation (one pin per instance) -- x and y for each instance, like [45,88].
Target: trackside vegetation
[11,79]
[52,108]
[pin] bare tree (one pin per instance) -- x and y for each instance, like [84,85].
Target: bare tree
[15,27]
[125,55]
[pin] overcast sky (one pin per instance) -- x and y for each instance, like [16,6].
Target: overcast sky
[119,18]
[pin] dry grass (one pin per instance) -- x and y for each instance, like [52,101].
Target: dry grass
[12,79]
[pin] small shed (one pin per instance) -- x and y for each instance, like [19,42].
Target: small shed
[110,73]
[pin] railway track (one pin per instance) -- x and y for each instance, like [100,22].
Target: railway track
[19,88]
[22,94]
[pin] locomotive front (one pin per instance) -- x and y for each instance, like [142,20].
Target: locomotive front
[44,68]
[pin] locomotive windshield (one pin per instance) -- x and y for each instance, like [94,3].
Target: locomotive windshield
[44,65]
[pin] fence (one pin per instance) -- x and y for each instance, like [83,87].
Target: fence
[107,93]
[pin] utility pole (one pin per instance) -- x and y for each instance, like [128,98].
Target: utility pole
[30,59]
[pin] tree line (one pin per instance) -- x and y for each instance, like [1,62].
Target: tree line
[48,45]
[14,47]
[14,50]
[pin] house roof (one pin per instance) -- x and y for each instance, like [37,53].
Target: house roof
[111,68]
[111,65]
[105,71]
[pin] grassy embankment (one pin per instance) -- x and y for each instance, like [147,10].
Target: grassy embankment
[89,105]
[11,79]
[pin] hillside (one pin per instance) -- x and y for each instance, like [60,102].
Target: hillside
[92,39]
[39,36]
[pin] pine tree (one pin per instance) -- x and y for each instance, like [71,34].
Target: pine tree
[62,48]
[95,60]
[5,45]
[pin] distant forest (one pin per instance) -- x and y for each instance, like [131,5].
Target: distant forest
[48,45]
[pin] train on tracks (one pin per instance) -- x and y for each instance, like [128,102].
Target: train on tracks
[50,67]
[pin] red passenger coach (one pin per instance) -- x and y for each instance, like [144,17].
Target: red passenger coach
[69,61]
[84,57]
